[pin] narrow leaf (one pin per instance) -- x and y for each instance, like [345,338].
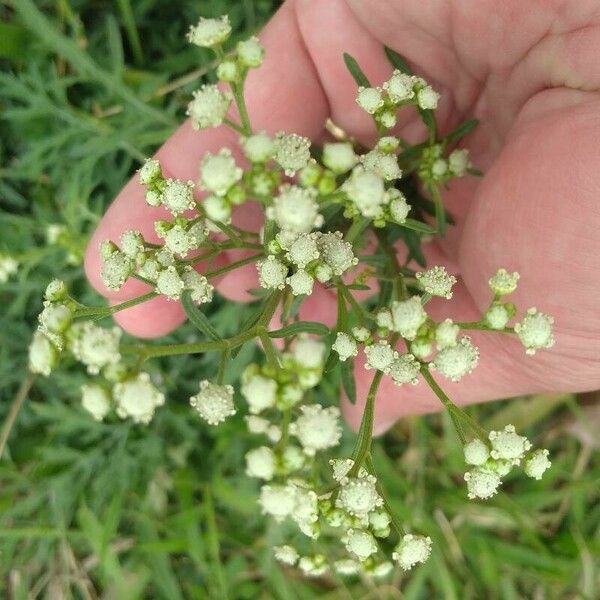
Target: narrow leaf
[397,60]
[418,226]
[198,318]
[356,71]
[462,130]
[428,118]
[347,373]
[300,327]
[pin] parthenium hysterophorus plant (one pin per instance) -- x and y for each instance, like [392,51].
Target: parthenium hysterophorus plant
[321,208]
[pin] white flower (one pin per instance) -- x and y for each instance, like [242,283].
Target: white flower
[260,392]
[287,555]
[217,208]
[260,463]
[427,98]
[228,70]
[208,107]
[360,543]
[366,191]
[508,445]
[272,273]
[94,346]
[384,165]
[323,273]
[292,152]
[358,496]
[421,348]
[305,512]
[55,318]
[200,290]
[150,268]
[398,207]
[137,398]
[56,291]
[96,400]
[178,196]
[381,570]
[258,148]
[497,316]
[210,32]
[250,53]
[446,334]
[379,521]
[361,334]
[339,156]
[456,361]
[313,566]
[408,316]
[380,356]
[476,452]
[218,172]
[178,240]
[153,197]
[347,567]
[458,161]
[295,209]
[8,267]
[169,283]
[301,283]
[405,369]
[214,402]
[342,466]
[336,253]
[116,269]
[345,346]
[132,243]
[309,352]
[256,424]
[277,501]
[293,459]
[482,483]
[536,464]
[503,282]
[369,99]
[399,87]
[439,168]
[384,319]
[317,428]
[43,355]
[411,550]
[437,282]
[303,250]
[149,172]
[535,331]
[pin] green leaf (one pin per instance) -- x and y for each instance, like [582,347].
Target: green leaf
[12,40]
[356,71]
[300,327]
[358,286]
[347,373]
[397,60]
[461,131]
[332,361]
[198,318]
[418,226]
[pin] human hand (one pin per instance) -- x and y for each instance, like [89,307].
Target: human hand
[529,74]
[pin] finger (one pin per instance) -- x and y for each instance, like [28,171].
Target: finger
[275,100]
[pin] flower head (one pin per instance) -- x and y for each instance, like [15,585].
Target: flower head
[277,501]
[214,402]
[405,369]
[218,172]
[503,282]
[446,334]
[317,428]
[437,282]
[339,156]
[369,99]
[137,398]
[336,252]
[380,356]
[260,463]
[476,452]
[260,392]
[210,32]
[345,346]
[94,346]
[360,543]
[178,196]
[535,331]
[408,316]
[358,496]
[427,98]
[250,53]
[208,107]
[169,283]
[411,550]
[96,400]
[272,273]
[150,171]
[43,354]
[454,362]
[366,191]
[116,269]
[287,555]
[537,463]
[303,250]
[258,148]
[200,290]
[399,87]
[292,152]
[301,283]
[295,209]
[384,165]
[508,445]
[482,483]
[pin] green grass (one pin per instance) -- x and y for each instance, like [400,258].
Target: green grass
[87,89]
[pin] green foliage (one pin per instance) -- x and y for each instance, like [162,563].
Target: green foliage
[87,89]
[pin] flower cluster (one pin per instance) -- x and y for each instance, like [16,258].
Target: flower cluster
[494,458]
[323,211]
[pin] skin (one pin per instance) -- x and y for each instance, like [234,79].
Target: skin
[529,72]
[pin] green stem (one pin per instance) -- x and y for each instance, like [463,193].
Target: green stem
[479,325]
[359,224]
[234,265]
[440,211]
[269,349]
[365,433]
[455,411]
[105,311]
[238,95]
[225,355]
[237,128]
[400,531]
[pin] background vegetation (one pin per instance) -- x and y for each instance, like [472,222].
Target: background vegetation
[87,89]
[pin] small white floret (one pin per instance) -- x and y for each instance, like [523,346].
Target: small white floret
[336,252]
[137,398]
[535,331]
[96,400]
[178,196]
[455,362]
[214,402]
[345,346]
[218,172]
[339,156]
[260,463]
[437,282]
[317,428]
[272,273]
[287,555]
[476,452]
[301,283]
[405,369]
[408,316]
[292,152]
[537,463]
[508,445]
[360,543]
[209,32]
[411,550]
[380,356]
[482,483]
[369,99]
[503,282]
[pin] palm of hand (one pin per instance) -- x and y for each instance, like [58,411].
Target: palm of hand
[528,74]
